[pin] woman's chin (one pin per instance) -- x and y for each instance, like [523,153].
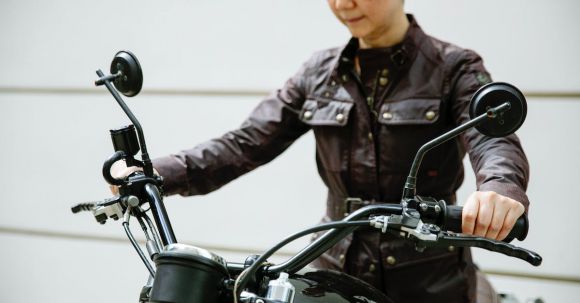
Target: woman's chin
[358,33]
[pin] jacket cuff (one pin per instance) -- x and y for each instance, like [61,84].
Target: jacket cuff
[507,189]
[174,173]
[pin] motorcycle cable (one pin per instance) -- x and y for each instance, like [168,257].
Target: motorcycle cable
[249,272]
[154,232]
[126,218]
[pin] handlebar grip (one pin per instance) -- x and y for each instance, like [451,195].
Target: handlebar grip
[452,222]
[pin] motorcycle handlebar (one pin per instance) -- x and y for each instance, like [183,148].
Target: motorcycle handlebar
[450,220]
[453,220]
[160,214]
[330,238]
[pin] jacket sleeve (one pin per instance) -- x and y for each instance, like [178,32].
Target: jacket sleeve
[272,126]
[500,164]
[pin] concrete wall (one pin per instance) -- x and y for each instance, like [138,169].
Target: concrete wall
[54,129]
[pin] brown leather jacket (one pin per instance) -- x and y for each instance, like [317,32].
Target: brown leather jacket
[368,126]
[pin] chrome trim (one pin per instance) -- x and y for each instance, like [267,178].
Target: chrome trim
[189,250]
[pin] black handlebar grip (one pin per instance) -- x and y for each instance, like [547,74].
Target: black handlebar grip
[452,222]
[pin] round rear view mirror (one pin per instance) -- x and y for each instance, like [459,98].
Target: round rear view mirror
[495,94]
[131,79]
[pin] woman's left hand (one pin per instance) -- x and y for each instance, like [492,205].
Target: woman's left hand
[489,214]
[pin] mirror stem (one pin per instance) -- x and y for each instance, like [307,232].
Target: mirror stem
[410,189]
[147,166]
[106,78]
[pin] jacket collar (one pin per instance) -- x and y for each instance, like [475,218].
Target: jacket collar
[398,56]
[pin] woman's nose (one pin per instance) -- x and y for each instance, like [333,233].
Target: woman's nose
[343,4]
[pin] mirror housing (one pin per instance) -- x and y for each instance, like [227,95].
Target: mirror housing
[130,79]
[495,94]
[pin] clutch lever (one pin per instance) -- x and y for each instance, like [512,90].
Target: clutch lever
[109,208]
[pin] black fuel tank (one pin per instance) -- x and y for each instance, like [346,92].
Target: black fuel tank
[316,286]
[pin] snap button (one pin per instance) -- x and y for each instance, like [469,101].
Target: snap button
[384,72]
[430,115]
[341,258]
[372,268]
[327,94]
[370,135]
[387,116]
[451,248]
[344,78]
[369,100]
[307,115]
[383,81]
[391,260]
[340,118]
[332,83]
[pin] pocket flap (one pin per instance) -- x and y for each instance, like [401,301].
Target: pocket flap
[410,111]
[329,113]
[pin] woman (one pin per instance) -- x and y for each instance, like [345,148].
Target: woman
[371,105]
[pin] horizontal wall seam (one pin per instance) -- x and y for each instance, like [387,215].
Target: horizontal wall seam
[286,254]
[150,92]
[112,239]
[544,277]
[217,92]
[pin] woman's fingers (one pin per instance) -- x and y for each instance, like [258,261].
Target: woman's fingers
[114,189]
[490,215]
[501,206]
[514,213]
[485,214]
[469,214]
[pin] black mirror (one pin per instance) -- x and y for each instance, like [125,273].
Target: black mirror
[127,77]
[130,79]
[496,110]
[495,94]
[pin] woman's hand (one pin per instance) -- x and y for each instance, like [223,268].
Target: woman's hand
[119,170]
[491,215]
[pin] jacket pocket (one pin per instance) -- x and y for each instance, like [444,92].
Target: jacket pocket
[405,126]
[328,119]
[410,112]
[325,113]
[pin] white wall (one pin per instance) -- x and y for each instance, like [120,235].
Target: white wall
[54,128]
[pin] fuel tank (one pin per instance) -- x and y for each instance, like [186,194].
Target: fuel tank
[190,274]
[316,286]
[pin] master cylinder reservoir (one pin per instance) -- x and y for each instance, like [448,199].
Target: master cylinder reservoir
[281,289]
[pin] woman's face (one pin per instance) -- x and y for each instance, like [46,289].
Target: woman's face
[367,19]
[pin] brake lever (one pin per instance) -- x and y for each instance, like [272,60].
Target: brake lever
[430,235]
[492,245]
[460,240]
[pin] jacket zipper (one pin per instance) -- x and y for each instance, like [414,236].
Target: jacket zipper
[373,117]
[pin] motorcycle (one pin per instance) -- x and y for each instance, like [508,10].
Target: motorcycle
[184,273]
